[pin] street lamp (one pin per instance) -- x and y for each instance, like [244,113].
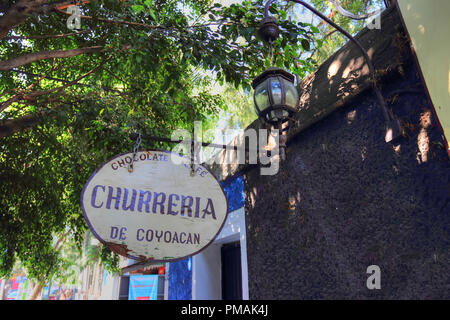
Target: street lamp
[276,98]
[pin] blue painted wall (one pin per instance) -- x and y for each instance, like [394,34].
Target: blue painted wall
[234,190]
[180,280]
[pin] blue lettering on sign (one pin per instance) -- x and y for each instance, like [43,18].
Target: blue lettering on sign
[122,233]
[94,196]
[133,200]
[118,233]
[167,236]
[122,162]
[114,232]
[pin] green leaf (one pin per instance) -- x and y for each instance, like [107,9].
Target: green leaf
[315,29]
[305,44]
[137,8]
[152,13]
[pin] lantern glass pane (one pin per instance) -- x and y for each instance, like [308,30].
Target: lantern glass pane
[262,96]
[276,91]
[291,94]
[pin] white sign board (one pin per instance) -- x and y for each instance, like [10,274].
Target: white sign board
[158,211]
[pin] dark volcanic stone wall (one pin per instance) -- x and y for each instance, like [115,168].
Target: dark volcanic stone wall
[345,200]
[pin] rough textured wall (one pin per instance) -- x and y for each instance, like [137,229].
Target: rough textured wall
[345,200]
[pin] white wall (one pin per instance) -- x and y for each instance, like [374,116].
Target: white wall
[206,274]
[110,291]
[207,265]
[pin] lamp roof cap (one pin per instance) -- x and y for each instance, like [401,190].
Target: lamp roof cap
[271,72]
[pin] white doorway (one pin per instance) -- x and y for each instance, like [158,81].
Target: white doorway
[207,266]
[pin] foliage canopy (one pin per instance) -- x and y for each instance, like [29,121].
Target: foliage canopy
[69,99]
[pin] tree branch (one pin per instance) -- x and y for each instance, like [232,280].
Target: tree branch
[58,245]
[36,94]
[106,88]
[11,126]
[43,92]
[42,55]
[48,36]
[130,23]
[19,95]
[20,11]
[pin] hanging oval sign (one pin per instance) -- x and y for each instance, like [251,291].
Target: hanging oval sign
[159,211]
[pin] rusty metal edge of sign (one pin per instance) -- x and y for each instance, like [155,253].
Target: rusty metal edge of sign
[138,258]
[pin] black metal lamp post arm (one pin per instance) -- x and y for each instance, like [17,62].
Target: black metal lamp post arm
[391,122]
